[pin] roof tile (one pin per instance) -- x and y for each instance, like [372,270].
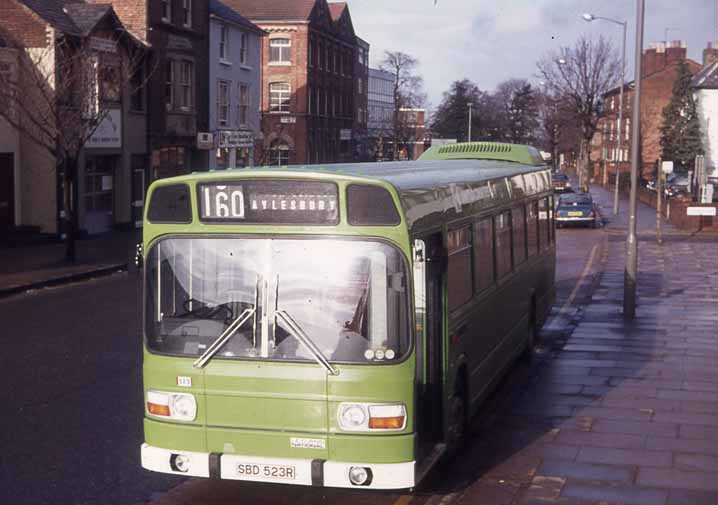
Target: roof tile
[273,10]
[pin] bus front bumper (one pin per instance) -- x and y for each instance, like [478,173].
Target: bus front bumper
[307,472]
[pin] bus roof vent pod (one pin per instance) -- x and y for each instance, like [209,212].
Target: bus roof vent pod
[516,153]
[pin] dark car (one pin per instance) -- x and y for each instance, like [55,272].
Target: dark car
[576,209]
[561,183]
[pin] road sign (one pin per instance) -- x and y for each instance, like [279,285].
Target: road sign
[701,211]
[667,167]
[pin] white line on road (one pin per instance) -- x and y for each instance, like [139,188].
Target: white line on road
[584,274]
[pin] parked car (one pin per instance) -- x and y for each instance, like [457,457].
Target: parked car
[678,186]
[651,185]
[576,208]
[561,182]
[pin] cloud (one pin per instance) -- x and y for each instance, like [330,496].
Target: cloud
[489,41]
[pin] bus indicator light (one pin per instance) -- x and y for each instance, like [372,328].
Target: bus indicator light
[387,417]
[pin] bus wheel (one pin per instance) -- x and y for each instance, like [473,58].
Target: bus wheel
[458,420]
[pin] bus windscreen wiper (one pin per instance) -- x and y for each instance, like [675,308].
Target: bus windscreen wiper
[229,332]
[296,331]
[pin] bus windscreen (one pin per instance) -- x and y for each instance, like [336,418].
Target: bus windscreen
[348,297]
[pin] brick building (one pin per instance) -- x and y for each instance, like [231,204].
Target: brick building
[309,80]
[178,104]
[659,71]
[50,92]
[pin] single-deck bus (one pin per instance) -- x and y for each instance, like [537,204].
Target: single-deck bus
[338,325]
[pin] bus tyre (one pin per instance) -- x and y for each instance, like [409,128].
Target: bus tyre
[458,421]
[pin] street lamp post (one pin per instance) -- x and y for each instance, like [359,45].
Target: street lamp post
[630,278]
[470,105]
[624,24]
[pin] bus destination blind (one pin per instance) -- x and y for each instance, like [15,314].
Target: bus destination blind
[269,201]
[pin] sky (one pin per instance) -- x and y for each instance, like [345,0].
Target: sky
[489,41]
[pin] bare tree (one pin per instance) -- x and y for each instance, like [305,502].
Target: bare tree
[58,95]
[408,93]
[580,75]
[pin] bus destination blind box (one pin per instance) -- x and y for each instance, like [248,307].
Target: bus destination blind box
[269,201]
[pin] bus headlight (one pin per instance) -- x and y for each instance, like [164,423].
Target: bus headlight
[372,416]
[179,406]
[352,416]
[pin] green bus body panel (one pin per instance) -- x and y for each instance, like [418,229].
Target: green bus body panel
[362,448]
[368,449]
[175,436]
[373,384]
[270,396]
[517,153]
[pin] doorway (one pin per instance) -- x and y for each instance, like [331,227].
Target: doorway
[99,193]
[7,192]
[430,402]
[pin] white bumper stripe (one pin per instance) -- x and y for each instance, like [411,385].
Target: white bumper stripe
[158,460]
[336,473]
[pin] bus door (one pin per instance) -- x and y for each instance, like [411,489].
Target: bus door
[428,258]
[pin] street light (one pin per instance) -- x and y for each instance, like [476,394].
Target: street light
[470,105]
[630,277]
[590,17]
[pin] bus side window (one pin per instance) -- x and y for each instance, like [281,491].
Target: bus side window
[502,225]
[543,223]
[532,227]
[459,277]
[483,254]
[518,223]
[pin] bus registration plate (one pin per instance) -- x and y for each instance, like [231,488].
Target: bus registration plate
[263,471]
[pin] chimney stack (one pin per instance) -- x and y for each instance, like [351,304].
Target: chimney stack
[710,54]
[654,58]
[675,51]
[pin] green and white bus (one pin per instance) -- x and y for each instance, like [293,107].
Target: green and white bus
[338,325]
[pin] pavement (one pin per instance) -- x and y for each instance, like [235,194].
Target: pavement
[25,267]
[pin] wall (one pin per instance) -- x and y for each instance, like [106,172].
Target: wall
[708,114]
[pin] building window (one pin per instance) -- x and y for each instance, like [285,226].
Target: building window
[187,13]
[279,96]
[320,55]
[243,41]
[137,90]
[360,85]
[223,102]
[169,84]
[110,83]
[310,56]
[318,101]
[310,99]
[243,111]
[167,11]
[280,51]
[459,276]
[224,43]
[186,79]
[279,154]
[628,127]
